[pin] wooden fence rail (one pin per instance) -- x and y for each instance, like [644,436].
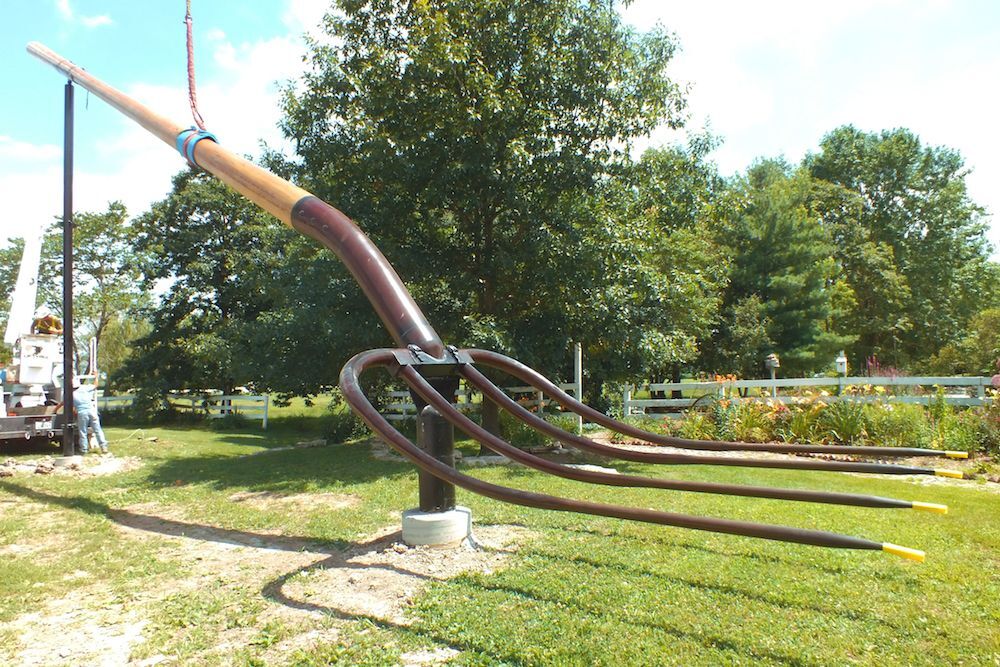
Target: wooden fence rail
[211,405]
[965,391]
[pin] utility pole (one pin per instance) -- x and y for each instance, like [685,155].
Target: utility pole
[69,424]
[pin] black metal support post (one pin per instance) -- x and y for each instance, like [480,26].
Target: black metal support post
[69,424]
[436,436]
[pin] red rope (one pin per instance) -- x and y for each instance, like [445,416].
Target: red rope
[192,97]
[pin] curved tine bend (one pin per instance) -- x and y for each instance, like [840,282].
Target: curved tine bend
[482,383]
[356,398]
[497,444]
[538,381]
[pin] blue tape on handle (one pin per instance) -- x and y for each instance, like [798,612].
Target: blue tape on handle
[187,139]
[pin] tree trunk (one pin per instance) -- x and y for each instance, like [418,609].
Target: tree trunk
[491,422]
[675,377]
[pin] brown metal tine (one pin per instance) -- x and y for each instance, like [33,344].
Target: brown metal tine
[500,446]
[355,397]
[494,393]
[541,383]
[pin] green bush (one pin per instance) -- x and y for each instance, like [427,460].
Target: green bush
[342,425]
[958,432]
[938,407]
[650,423]
[745,421]
[564,420]
[844,422]
[801,423]
[696,426]
[234,421]
[519,434]
[989,427]
[898,425]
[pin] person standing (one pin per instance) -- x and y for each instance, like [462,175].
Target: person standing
[85,404]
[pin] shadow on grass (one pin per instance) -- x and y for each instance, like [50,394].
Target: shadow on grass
[338,551]
[296,468]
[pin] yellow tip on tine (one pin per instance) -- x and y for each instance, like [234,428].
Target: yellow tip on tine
[954,474]
[930,507]
[904,552]
[956,455]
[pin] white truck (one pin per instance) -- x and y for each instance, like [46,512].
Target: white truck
[32,382]
[32,390]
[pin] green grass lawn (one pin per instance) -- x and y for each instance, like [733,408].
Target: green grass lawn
[580,590]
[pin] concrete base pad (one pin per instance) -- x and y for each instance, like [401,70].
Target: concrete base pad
[438,529]
[67,461]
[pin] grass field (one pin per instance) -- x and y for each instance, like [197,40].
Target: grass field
[206,548]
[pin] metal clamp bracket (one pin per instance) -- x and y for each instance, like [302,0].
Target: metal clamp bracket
[427,365]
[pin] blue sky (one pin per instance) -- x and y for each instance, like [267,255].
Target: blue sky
[768,78]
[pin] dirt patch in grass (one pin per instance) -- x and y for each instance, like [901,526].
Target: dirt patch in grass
[306,582]
[428,656]
[379,578]
[307,587]
[47,536]
[84,627]
[266,500]
[84,466]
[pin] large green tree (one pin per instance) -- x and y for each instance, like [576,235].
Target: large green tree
[107,294]
[10,260]
[915,254]
[977,352]
[214,256]
[477,142]
[782,282]
[673,199]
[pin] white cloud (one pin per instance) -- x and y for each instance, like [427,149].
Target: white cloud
[66,12]
[95,21]
[13,149]
[305,15]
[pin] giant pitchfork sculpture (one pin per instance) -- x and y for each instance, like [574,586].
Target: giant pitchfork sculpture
[432,371]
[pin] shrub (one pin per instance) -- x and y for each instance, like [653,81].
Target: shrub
[898,425]
[234,421]
[342,425]
[614,396]
[938,407]
[519,434]
[843,422]
[989,427]
[696,426]
[745,421]
[657,425]
[564,420]
[958,431]
[802,423]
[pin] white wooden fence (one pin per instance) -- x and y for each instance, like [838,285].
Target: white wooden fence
[213,406]
[114,402]
[966,391]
